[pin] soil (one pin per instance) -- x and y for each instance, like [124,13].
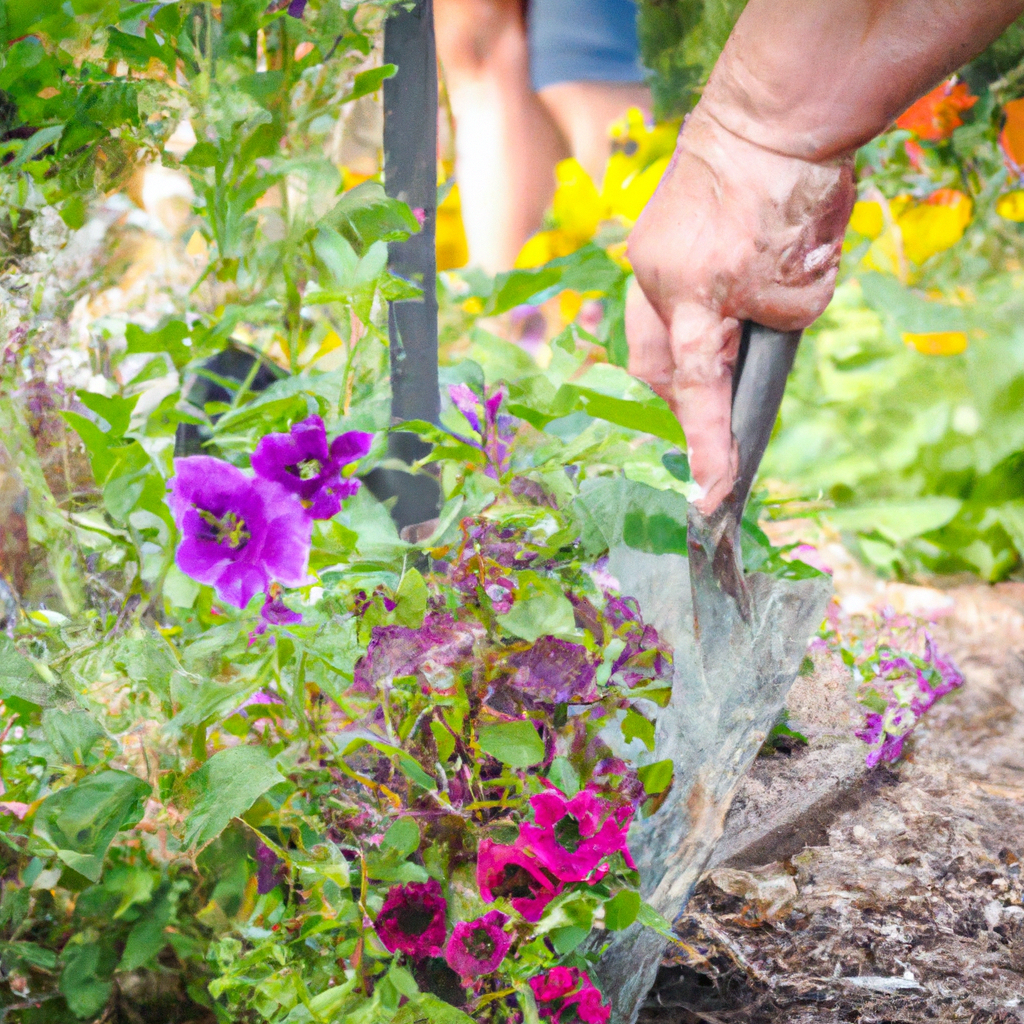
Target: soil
[908,904]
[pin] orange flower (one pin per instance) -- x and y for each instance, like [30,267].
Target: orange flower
[1012,136]
[935,116]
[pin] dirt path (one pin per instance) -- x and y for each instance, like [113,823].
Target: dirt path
[910,909]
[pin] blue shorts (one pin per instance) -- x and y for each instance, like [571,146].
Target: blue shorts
[583,41]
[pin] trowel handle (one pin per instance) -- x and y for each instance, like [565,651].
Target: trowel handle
[759,380]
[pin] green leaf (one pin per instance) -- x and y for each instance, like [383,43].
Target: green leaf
[516,744]
[615,510]
[565,940]
[656,777]
[650,417]
[621,910]
[678,465]
[82,819]
[403,837]
[19,678]
[367,82]
[72,734]
[116,412]
[518,287]
[169,339]
[564,776]
[411,600]
[86,993]
[226,787]
[365,214]
[636,727]
[444,741]
[428,1009]
[540,609]
[900,521]
[35,145]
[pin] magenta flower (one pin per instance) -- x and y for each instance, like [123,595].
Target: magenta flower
[238,534]
[556,984]
[510,873]
[493,430]
[412,919]
[571,837]
[555,672]
[566,995]
[301,462]
[477,947]
[275,612]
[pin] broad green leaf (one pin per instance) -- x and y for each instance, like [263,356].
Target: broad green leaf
[367,82]
[86,993]
[81,820]
[412,600]
[636,727]
[428,1009]
[656,777]
[72,734]
[651,417]
[403,837]
[621,910]
[516,744]
[170,339]
[899,520]
[540,609]
[615,510]
[564,776]
[226,787]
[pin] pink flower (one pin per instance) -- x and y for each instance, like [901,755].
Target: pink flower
[556,984]
[506,871]
[477,947]
[412,919]
[571,997]
[571,837]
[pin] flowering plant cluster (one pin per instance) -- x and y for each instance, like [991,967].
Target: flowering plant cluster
[490,748]
[899,672]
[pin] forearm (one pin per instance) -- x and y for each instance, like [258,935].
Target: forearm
[815,79]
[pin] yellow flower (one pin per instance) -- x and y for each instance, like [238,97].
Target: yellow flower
[617,251]
[636,145]
[938,343]
[546,246]
[1011,206]
[473,305]
[935,225]
[452,249]
[636,192]
[577,208]
[867,219]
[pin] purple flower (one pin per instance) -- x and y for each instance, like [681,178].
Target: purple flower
[477,947]
[555,672]
[644,657]
[238,534]
[872,731]
[571,837]
[412,919]
[438,645]
[512,873]
[301,462]
[269,869]
[275,612]
[297,8]
[494,431]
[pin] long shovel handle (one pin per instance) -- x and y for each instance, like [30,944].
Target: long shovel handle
[716,562]
[759,380]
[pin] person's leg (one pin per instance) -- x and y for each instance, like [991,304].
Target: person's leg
[585,110]
[507,142]
[585,66]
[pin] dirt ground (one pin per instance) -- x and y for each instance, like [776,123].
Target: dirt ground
[910,908]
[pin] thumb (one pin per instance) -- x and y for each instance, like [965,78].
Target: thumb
[650,352]
[704,348]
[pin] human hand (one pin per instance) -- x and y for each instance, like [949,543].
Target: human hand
[735,232]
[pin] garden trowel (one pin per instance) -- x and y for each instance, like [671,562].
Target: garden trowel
[738,641]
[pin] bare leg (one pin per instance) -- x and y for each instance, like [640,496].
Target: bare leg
[507,142]
[584,111]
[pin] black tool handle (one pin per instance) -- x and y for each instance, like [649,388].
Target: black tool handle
[759,380]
